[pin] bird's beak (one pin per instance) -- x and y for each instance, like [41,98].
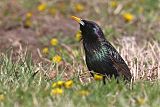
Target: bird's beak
[77,19]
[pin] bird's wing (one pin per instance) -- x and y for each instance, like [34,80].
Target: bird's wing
[88,64]
[121,68]
[118,62]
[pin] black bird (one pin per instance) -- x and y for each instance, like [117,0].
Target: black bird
[101,56]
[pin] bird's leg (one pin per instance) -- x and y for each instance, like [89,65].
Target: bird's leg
[104,82]
[92,74]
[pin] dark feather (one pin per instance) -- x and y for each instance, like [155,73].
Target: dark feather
[101,56]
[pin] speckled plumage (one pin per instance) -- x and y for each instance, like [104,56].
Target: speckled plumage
[101,56]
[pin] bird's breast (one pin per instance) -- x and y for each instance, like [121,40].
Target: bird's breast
[97,53]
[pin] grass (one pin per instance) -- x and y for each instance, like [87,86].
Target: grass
[27,83]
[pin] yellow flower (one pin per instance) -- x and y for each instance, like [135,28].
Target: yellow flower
[42,7]
[2,97]
[60,83]
[27,23]
[68,84]
[79,7]
[54,42]
[98,77]
[128,17]
[141,100]
[78,36]
[57,59]
[54,85]
[45,50]
[28,15]
[52,11]
[84,93]
[56,91]
[113,4]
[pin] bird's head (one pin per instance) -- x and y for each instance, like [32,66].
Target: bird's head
[89,29]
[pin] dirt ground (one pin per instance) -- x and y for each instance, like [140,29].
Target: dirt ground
[11,36]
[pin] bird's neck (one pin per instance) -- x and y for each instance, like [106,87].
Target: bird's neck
[92,44]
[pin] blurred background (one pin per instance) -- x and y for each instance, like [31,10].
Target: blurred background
[46,25]
[42,61]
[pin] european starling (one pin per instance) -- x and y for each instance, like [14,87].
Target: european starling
[101,56]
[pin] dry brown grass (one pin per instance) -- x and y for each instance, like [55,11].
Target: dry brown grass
[143,61]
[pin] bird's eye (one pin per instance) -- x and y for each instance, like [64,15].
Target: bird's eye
[94,29]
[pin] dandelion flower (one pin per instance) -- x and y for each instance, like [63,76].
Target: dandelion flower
[84,93]
[54,42]
[28,15]
[2,97]
[79,7]
[42,7]
[128,17]
[56,91]
[52,11]
[60,83]
[98,77]
[141,100]
[57,59]
[113,4]
[27,23]
[45,50]
[68,84]
[54,85]
[78,36]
